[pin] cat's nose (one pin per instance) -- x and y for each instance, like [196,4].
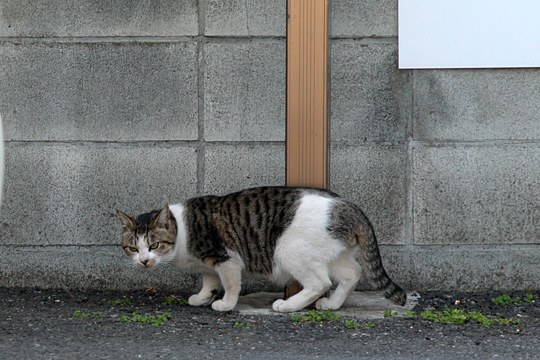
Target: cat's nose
[144,262]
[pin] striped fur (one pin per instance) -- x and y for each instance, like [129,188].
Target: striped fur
[310,235]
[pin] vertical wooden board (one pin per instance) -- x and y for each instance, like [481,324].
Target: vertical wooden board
[307,119]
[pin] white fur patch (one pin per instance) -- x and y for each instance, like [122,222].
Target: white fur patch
[144,253]
[306,243]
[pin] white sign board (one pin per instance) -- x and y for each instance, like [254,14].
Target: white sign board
[469,34]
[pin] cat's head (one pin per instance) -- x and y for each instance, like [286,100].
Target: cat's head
[149,238]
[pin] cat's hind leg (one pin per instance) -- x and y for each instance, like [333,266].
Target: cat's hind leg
[346,272]
[230,274]
[315,282]
[210,286]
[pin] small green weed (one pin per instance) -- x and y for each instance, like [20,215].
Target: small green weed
[352,324]
[316,316]
[78,314]
[155,320]
[450,316]
[511,321]
[409,314]
[529,298]
[460,317]
[241,325]
[389,313]
[480,318]
[174,300]
[122,301]
[505,299]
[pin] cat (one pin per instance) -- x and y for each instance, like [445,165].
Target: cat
[284,233]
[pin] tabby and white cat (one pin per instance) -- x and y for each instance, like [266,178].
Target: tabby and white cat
[309,235]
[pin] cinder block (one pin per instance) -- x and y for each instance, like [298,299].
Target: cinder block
[83,268]
[476,195]
[432,268]
[375,178]
[59,18]
[99,91]
[397,263]
[370,97]
[501,268]
[230,168]
[364,18]
[474,105]
[246,18]
[244,91]
[68,194]
[96,268]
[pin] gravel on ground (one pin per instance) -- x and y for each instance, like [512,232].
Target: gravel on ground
[61,324]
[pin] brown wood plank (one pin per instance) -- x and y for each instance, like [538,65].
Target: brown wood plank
[307,97]
[307,100]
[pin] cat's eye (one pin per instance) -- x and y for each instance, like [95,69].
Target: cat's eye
[133,249]
[154,246]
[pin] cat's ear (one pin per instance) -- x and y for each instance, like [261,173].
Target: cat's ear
[127,221]
[161,218]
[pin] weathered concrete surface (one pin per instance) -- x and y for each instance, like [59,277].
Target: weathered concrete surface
[245,18]
[422,268]
[59,18]
[476,194]
[365,305]
[363,18]
[477,105]
[244,91]
[230,168]
[468,268]
[99,91]
[67,194]
[375,179]
[83,267]
[462,267]
[137,104]
[370,98]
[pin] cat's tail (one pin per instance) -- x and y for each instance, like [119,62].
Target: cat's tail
[373,267]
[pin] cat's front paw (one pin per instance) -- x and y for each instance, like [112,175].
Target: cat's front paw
[220,305]
[198,300]
[280,305]
[323,304]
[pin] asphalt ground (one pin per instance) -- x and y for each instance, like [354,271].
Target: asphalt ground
[154,324]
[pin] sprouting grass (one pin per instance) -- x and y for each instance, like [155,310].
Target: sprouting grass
[122,301]
[156,320]
[241,325]
[529,298]
[460,317]
[505,299]
[174,300]
[316,316]
[511,321]
[78,314]
[389,313]
[352,324]
[409,314]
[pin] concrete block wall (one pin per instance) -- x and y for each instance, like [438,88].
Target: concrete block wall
[134,104]
[129,105]
[446,163]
